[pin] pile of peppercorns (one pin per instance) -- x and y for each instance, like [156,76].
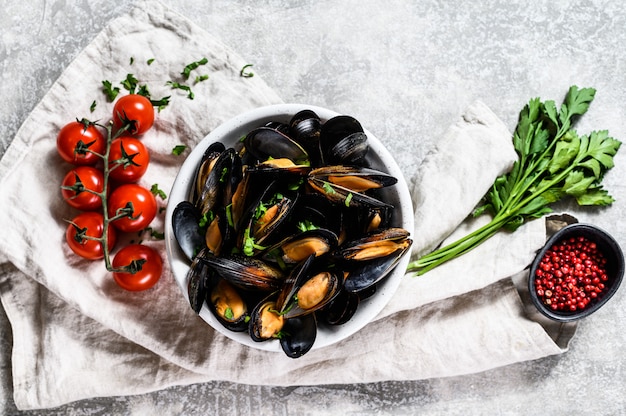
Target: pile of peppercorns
[571,274]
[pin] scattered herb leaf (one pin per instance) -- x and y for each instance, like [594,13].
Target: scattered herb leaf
[187,70]
[177,85]
[109,90]
[157,192]
[246,74]
[178,149]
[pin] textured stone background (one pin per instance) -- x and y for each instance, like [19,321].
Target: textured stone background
[406,69]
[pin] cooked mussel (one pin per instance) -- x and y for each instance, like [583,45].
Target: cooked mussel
[298,247]
[228,306]
[356,179]
[246,272]
[264,143]
[368,260]
[265,321]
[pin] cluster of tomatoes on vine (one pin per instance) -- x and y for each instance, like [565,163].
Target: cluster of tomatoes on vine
[108,161]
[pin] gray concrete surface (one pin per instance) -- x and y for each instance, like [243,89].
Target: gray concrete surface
[405,68]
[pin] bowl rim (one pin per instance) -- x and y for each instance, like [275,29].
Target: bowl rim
[227,131]
[599,235]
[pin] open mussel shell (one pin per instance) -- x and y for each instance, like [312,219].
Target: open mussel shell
[185,225]
[198,278]
[344,196]
[343,140]
[228,305]
[308,289]
[354,178]
[264,143]
[317,291]
[265,218]
[220,174]
[299,335]
[246,272]
[265,322]
[210,155]
[298,247]
[341,309]
[368,260]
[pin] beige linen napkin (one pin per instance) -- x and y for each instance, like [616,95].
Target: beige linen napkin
[77,335]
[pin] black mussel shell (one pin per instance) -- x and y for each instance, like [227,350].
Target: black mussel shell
[185,224]
[298,335]
[198,278]
[265,143]
[265,323]
[246,272]
[341,309]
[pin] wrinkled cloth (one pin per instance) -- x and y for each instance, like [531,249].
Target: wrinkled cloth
[77,335]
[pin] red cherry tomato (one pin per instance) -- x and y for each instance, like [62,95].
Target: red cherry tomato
[75,143]
[139,202]
[89,224]
[135,110]
[132,159]
[77,184]
[145,261]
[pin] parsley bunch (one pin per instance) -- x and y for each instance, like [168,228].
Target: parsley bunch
[554,163]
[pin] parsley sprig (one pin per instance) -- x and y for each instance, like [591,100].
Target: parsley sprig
[554,163]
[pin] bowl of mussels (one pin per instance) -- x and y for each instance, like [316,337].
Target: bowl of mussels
[288,228]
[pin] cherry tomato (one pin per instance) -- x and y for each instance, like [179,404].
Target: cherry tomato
[134,158]
[75,143]
[89,224]
[77,184]
[145,261]
[135,110]
[139,202]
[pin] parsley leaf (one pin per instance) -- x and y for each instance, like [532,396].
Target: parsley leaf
[178,149]
[188,68]
[157,192]
[554,163]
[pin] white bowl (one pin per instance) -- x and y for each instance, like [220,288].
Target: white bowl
[229,133]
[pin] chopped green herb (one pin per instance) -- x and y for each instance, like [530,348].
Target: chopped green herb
[132,60]
[328,188]
[130,83]
[348,199]
[187,70]
[224,175]
[157,235]
[157,192]
[206,219]
[178,85]
[228,314]
[143,90]
[306,225]
[92,107]
[178,149]
[229,215]
[161,104]
[149,61]
[201,78]
[109,90]
[244,73]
